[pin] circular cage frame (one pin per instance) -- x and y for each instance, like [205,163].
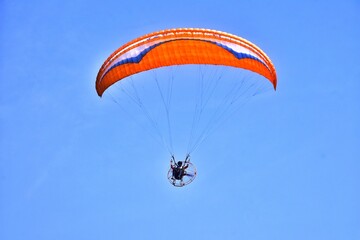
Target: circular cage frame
[189,176]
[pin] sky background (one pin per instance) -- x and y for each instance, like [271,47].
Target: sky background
[72,166]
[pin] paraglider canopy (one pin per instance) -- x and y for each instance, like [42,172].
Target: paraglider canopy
[183,46]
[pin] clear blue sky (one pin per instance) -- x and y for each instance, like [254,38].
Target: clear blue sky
[72,166]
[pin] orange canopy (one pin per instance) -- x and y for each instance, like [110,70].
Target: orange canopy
[183,46]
